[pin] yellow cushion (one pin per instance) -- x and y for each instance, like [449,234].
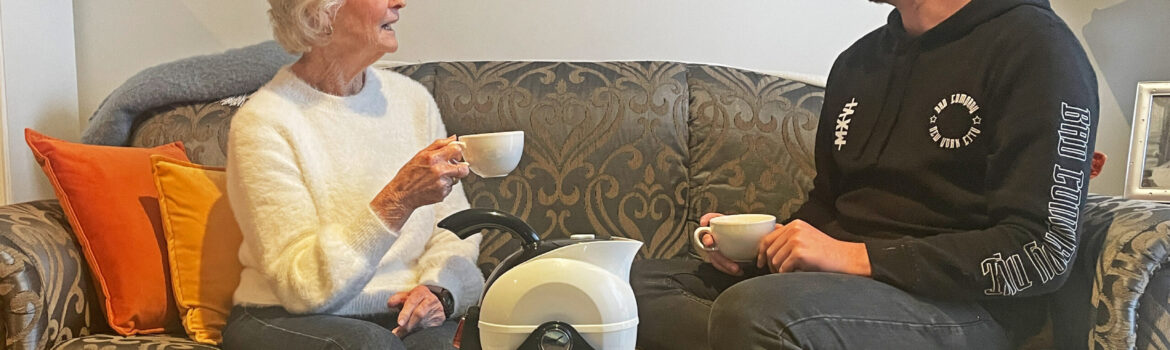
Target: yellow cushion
[203,242]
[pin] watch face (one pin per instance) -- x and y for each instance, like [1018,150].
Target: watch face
[445,298]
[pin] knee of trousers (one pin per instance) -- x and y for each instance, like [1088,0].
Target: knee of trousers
[768,306]
[366,336]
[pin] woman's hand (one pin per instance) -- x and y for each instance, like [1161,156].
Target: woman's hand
[425,179]
[799,246]
[420,309]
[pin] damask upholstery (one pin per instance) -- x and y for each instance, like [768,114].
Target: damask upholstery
[117,342]
[46,294]
[1153,322]
[1129,292]
[751,142]
[605,147]
[635,149]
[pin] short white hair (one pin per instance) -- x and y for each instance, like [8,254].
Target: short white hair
[299,25]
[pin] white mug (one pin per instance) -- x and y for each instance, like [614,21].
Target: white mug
[493,154]
[737,236]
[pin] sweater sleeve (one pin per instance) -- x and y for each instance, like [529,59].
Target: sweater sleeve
[1037,179]
[315,263]
[448,261]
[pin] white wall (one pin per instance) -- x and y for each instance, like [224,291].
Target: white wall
[795,35]
[1126,41]
[40,85]
[116,38]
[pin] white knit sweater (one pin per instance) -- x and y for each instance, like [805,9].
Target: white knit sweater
[302,169]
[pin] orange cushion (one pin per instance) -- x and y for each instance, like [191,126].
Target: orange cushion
[203,242]
[109,196]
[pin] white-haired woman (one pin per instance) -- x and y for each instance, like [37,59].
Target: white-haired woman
[337,174]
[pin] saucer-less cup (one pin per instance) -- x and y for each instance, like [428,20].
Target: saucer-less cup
[494,154]
[737,236]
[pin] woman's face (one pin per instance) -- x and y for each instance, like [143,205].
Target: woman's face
[366,25]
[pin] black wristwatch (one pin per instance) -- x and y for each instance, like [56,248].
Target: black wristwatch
[445,298]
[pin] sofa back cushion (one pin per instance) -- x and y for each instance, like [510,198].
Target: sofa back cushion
[634,149]
[751,142]
[605,147]
[201,126]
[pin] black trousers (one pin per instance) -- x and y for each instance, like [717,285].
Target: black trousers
[258,328]
[688,304]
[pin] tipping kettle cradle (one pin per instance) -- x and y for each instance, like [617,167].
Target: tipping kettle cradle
[550,294]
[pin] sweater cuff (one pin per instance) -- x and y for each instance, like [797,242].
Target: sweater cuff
[887,261]
[370,235]
[461,281]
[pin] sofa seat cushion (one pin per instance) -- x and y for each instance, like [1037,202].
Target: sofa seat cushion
[114,342]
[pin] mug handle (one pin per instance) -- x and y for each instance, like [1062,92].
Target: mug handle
[462,145]
[698,239]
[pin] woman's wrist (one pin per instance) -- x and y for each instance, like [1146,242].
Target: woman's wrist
[391,209]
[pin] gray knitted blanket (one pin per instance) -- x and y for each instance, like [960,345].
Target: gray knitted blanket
[196,79]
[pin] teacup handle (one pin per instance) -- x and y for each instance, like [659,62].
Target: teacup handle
[461,145]
[699,239]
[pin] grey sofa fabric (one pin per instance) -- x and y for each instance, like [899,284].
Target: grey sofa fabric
[1129,293]
[46,293]
[751,142]
[604,152]
[634,149]
[144,342]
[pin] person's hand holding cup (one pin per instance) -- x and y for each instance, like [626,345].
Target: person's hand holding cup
[731,241]
[492,154]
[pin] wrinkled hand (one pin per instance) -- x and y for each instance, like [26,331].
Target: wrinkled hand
[799,246]
[426,179]
[721,262]
[420,309]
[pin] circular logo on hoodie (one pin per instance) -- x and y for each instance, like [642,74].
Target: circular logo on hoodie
[955,122]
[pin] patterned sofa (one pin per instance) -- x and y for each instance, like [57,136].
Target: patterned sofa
[635,149]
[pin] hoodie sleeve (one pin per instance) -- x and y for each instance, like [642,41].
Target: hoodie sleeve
[1037,178]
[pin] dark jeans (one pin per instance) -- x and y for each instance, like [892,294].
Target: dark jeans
[687,304]
[256,328]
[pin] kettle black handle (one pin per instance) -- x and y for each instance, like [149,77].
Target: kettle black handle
[470,221]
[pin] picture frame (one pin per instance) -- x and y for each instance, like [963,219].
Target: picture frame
[1148,167]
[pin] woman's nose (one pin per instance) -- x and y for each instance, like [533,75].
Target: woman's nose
[397,3]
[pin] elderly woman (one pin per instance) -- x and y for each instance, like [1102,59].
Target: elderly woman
[337,186]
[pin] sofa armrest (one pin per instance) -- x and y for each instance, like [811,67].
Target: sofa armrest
[1153,323]
[46,294]
[1135,247]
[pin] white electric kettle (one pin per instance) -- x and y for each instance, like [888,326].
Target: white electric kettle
[555,294]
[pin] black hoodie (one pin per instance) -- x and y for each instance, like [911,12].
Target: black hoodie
[961,156]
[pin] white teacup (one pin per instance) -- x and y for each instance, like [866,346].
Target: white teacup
[737,236]
[493,154]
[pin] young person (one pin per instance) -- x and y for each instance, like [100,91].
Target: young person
[953,158]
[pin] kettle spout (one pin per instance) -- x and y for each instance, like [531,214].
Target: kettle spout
[613,255]
[470,221]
